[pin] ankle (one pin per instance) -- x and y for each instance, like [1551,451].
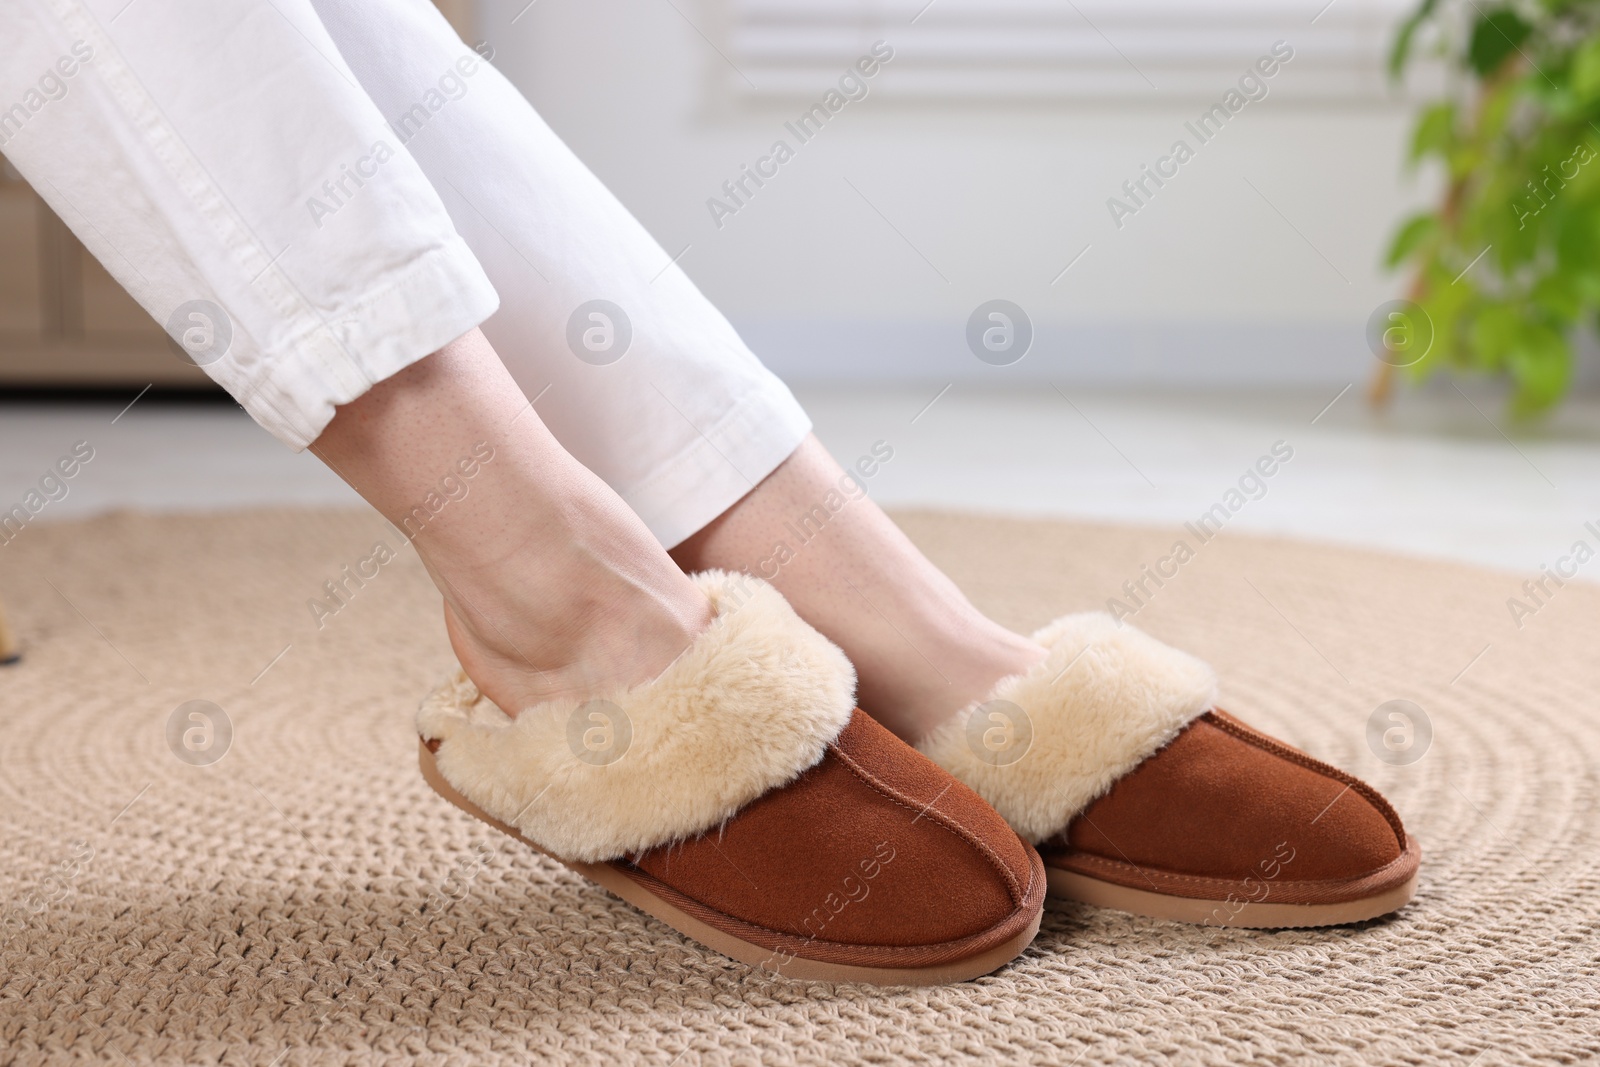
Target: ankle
[553,587]
[577,601]
[525,645]
[938,672]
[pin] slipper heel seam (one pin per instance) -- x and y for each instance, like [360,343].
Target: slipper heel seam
[1013,886]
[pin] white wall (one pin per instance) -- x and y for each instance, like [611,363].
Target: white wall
[1208,284]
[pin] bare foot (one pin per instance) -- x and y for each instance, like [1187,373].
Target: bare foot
[553,587]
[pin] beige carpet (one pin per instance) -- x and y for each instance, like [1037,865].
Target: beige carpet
[308,900]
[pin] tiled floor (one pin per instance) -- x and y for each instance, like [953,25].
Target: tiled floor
[1435,476]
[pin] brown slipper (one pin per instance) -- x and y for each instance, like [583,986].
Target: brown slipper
[740,799]
[1112,757]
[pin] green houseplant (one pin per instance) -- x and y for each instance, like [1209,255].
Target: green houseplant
[1507,265]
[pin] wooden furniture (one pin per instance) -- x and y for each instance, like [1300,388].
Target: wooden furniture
[8,641]
[64,321]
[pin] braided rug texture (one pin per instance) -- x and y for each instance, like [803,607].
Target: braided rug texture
[307,899]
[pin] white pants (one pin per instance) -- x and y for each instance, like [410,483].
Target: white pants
[313,194]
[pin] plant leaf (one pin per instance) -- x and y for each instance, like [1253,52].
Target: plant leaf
[1585,76]
[1436,131]
[1557,296]
[1540,363]
[1401,52]
[1417,230]
[1496,36]
[1495,330]
[1578,243]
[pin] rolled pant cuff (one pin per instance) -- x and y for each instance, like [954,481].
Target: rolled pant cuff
[403,318]
[721,465]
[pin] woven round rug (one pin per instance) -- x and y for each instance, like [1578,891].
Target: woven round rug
[218,849]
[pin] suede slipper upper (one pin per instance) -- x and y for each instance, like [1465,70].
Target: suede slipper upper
[739,798]
[1112,757]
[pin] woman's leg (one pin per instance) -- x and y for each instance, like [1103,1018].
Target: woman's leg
[685,424]
[637,375]
[922,651]
[552,586]
[311,262]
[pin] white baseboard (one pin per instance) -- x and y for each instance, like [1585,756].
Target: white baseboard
[1106,353]
[1111,353]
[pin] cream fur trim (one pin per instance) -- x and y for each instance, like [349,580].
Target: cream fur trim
[750,705]
[1081,727]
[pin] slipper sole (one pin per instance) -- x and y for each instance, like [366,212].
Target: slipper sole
[1232,910]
